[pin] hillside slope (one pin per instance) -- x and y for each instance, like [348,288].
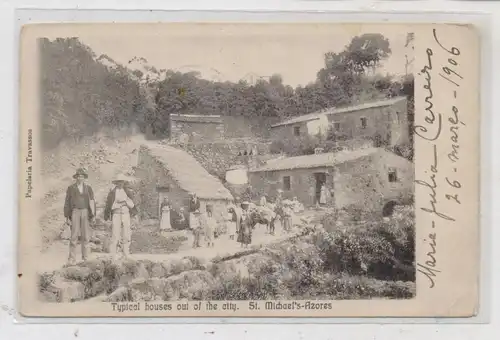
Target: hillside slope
[81,95]
[102,156]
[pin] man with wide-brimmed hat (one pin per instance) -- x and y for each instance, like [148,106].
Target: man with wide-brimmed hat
[79,210]
[120,208]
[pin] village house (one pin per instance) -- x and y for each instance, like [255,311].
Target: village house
[367,178]
[164,171]
[384,122]
[196,128]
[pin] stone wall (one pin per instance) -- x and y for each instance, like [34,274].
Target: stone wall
[197,131]
[387,124]
[356,184]
[218,157]
[242,126]
[403,189]
[303,184]
[153,177]
[364,183]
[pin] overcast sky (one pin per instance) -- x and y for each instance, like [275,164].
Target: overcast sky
[233,52]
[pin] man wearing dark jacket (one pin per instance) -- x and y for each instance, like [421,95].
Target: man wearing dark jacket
[120,208]
[194,207]
[79,210]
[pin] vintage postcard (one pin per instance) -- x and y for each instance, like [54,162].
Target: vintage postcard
[249,170]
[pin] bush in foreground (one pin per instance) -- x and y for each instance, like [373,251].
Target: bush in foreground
[384,249]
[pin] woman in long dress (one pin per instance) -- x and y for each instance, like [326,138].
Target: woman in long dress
[324,195]
[165,215]
[263,201]
[235,221]
[287,218]
[210,225]
[245,230]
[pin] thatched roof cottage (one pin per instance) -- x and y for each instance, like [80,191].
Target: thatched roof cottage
[165,171]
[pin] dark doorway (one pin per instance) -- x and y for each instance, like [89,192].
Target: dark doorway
[320,178]
[388,209]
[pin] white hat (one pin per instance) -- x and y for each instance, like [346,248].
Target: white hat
[121,178]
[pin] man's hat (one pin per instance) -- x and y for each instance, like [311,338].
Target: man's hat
[121,178]
[80,172]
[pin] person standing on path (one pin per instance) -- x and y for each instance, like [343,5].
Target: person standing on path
[245,230]
[79,211]
[278,207]
[263,201]
[196,225]
[194,206]
[287,218]
[120,208]
[165,215]
[210,226]
[235,220]
[323,195]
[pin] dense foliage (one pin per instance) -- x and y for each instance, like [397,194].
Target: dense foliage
[363,260]
[80,95]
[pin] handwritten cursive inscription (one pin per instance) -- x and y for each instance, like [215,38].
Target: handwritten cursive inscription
[442,133]
[433,120]
[455,123]
[428,268]
[433,189]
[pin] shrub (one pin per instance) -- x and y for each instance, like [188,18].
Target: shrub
[384,249]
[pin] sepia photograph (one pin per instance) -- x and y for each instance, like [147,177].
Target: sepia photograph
[229,169]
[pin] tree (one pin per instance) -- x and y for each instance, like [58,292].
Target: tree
[366,52]
[80,94]
[84,93]
[344,78]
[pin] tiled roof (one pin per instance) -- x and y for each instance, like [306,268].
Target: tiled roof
[315,161]
[187,172]
[197,118]
[332,111]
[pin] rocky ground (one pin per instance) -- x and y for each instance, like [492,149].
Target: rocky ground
[288,266]
[114,279]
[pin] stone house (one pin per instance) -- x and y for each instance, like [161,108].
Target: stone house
[196,128]
[366,178]
[164,171]
[384,122]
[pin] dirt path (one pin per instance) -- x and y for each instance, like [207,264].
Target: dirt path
[56,256]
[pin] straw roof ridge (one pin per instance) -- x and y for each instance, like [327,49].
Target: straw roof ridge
[188,173]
